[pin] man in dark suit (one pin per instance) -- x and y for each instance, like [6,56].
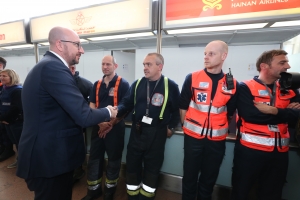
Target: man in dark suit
[52,144]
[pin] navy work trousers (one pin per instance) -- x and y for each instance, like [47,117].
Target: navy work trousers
[202,155]
[4,139]
[268,169]
[14,131]
[113,145]
[145,148]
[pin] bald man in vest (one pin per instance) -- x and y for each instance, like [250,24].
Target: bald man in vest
[207,103]
[109,90]
[52,144]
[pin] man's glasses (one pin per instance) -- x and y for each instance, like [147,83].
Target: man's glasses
[78,44]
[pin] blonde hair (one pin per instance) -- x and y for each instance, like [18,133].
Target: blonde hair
[15,80]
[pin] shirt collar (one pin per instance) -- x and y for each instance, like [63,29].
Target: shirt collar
[60,58]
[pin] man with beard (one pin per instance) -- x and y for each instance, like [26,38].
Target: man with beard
[262,145]
[52,144]
[206,106]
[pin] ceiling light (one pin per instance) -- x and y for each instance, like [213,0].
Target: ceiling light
[286,23]
[45,43]
[121,36]
[217,28]
[83,41]
[18,46]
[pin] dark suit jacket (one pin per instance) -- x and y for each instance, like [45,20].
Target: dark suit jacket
[54,114]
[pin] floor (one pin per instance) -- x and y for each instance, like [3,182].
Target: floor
[14,188]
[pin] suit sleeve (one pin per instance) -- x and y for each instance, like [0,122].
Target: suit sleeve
[59,83]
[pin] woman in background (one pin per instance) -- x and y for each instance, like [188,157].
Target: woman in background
[11,112]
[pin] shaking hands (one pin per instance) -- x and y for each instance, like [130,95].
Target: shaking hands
[113,111]
[105,127]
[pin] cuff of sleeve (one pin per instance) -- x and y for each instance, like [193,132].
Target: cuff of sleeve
[280,111]
[108,111]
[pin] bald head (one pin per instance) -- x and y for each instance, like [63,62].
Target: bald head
[219,45]
[66,43]
[60,33]
[215,54]
[111,58]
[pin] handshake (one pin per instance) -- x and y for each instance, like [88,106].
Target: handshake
[113,111]
[105,127]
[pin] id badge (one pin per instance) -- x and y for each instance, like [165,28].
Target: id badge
[147,120]
[273,128]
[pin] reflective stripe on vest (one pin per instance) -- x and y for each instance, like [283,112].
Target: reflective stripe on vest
[263,140]
[262,136]
[199,129]
[206,117]
[115,91]
[205,108]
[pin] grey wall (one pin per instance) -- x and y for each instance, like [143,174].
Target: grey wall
[181,61]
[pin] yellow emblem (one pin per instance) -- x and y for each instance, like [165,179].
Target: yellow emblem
[211,4]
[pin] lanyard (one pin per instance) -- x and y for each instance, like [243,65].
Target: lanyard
[148,97]
[271,95]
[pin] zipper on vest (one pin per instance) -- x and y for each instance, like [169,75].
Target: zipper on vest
[208,120]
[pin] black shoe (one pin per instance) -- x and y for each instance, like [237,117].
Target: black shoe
[7,153]
[108,196]
[109,193]
[93,194]
[78,174]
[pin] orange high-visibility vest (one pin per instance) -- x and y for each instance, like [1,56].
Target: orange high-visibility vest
[262,137]
[115,91]
[205,116]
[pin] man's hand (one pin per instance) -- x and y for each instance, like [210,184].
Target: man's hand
[113,111]
[104,128]
[264,108]
[169,133]
[294,105]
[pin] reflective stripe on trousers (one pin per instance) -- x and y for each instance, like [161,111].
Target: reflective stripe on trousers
[133,190]
[143,189]
[205,108]
[198,129]
[263,140]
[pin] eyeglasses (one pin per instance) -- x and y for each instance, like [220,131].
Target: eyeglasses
[78,44]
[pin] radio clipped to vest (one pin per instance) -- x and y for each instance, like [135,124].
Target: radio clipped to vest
[229,81]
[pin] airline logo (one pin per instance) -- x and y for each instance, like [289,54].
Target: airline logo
[80,19]
[211,4]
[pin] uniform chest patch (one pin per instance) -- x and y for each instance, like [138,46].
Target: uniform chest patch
[111,91]
[157,99]
[201,97]
[263,93]
[204,84]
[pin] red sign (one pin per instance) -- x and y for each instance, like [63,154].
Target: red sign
[187,9]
